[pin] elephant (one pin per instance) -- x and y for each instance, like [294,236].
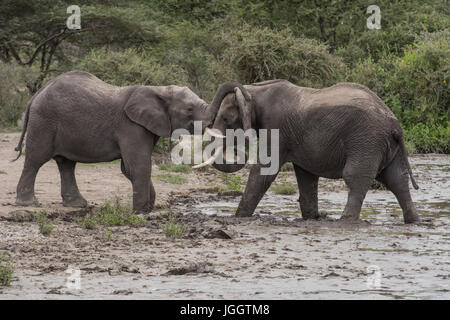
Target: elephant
[77,117]
[343,131]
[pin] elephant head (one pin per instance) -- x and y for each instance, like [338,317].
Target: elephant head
[163,109]
[234,113]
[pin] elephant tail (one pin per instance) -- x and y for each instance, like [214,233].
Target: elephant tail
[401,141]
[24,128]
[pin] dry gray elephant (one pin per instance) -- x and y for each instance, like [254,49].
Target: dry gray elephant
[79,118]
[344,131]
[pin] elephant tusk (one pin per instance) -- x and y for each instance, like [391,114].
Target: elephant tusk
[214,134]
[210,160]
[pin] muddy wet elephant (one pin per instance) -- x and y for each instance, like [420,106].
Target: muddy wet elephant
[344,131]
[79,118]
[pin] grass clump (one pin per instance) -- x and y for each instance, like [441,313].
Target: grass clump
[376,185]
[111,214]
[171,178]
[171,167]
[286,188]
[172,227]
[42,221]
[232,182]
[288,166]
[6,271]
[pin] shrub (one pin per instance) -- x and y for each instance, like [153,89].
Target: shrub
[429,138]
[262,54]
[129,67]
[420,80]
[14,94]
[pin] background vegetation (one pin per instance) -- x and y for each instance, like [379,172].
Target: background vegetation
[202,43]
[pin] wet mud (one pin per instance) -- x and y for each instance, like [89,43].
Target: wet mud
[271,255]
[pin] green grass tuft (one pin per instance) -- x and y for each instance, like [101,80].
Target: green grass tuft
[6,271]
[288,166]
[171,178]
[111,214]
[172,227]
[42,221]
[286,188]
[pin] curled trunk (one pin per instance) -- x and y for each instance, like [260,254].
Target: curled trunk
[222,91]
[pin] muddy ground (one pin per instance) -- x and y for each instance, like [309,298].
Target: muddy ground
[272,255]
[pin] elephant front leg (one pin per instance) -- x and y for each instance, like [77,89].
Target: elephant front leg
[308,187]
[139,173]
[257,186]
[142,193]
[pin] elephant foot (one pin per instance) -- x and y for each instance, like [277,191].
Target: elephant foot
[143,210]
[411,217]
[350,218]
[243,214]
[77,202]
[27,201]
[311,216]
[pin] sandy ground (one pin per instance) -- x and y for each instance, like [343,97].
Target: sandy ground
[272,255]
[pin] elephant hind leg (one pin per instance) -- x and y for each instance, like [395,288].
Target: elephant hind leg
[69,190]
[358,175]
[35,157]
[395,177]
[308,187]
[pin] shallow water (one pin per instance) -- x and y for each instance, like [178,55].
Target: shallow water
[274,255]
[380,206]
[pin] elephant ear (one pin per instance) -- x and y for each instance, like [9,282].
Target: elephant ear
[244,109]
[148,109]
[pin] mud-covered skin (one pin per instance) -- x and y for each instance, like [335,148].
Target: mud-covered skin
[344,131]
[79,118]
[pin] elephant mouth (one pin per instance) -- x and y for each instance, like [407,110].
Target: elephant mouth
[226,158]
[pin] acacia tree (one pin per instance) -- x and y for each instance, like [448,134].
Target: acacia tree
[34,33]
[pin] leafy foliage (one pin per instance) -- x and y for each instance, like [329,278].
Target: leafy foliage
[201,44]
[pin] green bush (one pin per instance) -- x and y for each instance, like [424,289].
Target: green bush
[420,81]
[262,54]
[429,138]
[129,67]
[14,94]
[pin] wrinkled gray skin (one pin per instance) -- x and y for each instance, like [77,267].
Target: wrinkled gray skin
[344,131]
[79,118]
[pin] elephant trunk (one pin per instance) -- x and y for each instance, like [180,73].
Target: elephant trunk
[222,91]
